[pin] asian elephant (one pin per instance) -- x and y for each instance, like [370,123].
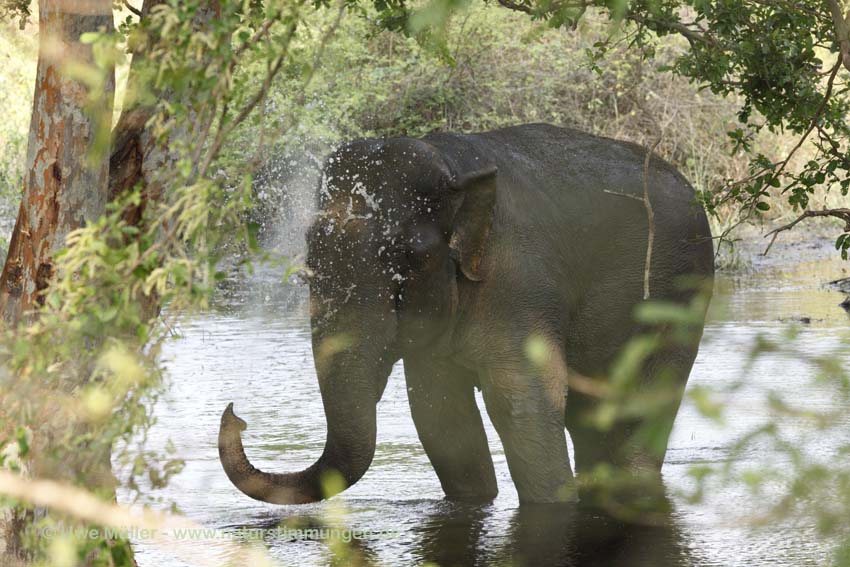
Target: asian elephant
[511,261]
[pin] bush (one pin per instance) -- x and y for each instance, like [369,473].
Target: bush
[498,68]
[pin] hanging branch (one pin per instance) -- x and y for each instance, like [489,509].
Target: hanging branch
[842,214]
[650,218]
[133,9]
[842,30]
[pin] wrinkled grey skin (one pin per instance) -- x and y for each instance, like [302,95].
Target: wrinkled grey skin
[509,261]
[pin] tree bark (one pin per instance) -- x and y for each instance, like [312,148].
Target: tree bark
[138,159]
[134,150]
[62,190]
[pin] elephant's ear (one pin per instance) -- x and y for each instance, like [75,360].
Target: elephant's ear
[474,219]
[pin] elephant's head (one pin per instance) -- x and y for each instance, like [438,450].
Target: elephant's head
[396,227]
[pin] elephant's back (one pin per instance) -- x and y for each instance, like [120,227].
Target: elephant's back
[563,163]
[570,217]
[570,184]
[571,161]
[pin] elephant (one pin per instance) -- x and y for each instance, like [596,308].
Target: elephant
[461,254]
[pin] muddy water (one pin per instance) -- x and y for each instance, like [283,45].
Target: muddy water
[254,350]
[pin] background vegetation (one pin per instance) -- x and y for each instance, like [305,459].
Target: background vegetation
[17,79]
[495,69]
[488,68]
[498,68]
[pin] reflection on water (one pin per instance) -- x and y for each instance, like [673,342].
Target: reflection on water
[255,351]
[455,535]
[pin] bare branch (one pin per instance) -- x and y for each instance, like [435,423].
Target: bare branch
[318,57]
[133,9]
[225,130]
[841,214]
[580,5]
[779,167]
[815,118]
[650,218]
[691,35]
[261,32]
[635,197]
[517,7]
[650,215]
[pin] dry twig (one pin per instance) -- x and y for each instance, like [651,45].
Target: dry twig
[133,9]
[650,218]
[842,214]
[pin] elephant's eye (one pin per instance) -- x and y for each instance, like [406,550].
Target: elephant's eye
[425,240]
[425,254]
[418,258]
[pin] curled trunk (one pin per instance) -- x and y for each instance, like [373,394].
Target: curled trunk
[346,457]
[353,355]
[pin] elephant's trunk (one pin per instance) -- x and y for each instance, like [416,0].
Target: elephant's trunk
[349,448]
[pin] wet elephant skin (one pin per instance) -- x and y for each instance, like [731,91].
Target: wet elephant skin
[511,261]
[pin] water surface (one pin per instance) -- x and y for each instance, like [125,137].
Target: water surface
[254,350]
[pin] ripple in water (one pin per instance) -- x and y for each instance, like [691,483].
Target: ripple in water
[255,351]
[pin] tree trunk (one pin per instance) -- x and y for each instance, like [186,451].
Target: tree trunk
[135,153]
[138,158]
[62,189]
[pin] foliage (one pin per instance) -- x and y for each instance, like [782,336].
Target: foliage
[88,368]
[783,59]
[497,68]
[15,9]
[83,375]
[17,53]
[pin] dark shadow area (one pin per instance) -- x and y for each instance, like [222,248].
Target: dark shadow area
[551,535]
[447,534]
[454,535]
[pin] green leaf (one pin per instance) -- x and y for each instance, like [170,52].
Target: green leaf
[89,38]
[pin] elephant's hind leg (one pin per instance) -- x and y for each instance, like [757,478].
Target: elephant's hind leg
[634,446]
[442,401]
[636,443]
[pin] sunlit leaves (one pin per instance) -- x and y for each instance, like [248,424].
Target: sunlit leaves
[842,244]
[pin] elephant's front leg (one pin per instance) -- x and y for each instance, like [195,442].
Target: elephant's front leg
[442,401]
[526,404]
